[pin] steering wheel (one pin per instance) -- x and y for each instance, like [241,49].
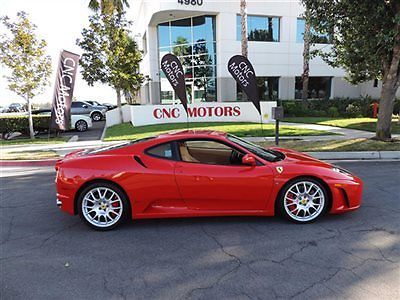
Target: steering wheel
[235,158]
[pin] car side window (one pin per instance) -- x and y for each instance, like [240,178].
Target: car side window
[209,152]
[162,151]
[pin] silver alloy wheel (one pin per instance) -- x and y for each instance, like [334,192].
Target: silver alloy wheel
[304,201]
[96,116]
[81,125]
[102,207]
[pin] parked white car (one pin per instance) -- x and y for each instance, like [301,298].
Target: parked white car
[78,122]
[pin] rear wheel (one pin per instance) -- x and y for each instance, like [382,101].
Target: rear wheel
[303,201]
[81,125]
[103,206]
[96,116]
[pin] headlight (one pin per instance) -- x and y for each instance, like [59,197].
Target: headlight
[342,171]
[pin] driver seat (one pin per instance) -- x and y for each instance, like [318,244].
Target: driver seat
[185,155]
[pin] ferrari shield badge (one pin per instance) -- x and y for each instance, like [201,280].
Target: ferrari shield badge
[279,169]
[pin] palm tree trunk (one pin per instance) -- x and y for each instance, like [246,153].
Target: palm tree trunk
[243,22]
[306,59]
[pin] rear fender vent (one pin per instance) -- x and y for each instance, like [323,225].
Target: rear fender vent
[139,161]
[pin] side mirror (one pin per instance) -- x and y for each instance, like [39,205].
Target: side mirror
[85,106]
[249,160]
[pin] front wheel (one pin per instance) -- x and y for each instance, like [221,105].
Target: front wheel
[303,201]
[103,206]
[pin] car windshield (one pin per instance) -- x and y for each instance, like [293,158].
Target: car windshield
[267,154]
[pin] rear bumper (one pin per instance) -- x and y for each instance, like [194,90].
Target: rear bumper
[346,195]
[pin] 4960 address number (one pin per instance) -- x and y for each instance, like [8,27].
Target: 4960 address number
[191,2]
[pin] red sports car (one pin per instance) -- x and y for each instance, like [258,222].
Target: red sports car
[200,173]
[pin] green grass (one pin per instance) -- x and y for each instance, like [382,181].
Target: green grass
[27,141]
[367,124]
[128,132]
[360,144]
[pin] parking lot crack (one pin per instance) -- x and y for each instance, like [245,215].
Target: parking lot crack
[233,258]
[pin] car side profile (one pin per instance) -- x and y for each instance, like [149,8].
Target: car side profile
[79,123]
[96,112]
[200,173]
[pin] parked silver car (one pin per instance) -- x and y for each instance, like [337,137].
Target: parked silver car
[96,112]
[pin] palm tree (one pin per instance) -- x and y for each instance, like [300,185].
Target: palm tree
[306,56]
[107,7]
[243,22]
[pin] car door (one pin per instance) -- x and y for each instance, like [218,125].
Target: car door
[214,184]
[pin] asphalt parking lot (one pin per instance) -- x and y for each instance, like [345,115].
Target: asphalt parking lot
[48,254]
[92,134]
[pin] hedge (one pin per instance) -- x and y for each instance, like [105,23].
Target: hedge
[349,108]
[21,124]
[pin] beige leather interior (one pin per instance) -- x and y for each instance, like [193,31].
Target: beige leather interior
[185,155]
[211,156]
[217,156]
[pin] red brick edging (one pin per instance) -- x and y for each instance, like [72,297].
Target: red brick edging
[27,163]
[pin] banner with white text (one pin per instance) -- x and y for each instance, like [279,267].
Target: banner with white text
[63,90]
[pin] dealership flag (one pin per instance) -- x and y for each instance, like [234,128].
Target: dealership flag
[173,70]
[243,72]
[63,90]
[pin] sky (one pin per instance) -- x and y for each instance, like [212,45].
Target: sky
[60,24]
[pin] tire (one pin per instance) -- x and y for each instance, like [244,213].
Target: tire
[81,125]
[103,206]
[96,116]
[303,200]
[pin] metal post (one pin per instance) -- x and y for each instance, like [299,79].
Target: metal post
[277,132]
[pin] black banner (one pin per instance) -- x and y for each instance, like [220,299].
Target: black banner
[243,72]
[63,90]
[173,70]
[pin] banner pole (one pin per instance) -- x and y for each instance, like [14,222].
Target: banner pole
[262,126]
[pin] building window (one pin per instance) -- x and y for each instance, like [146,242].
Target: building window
[267,89]
[144,44]
[192,40]
[259,28]
[316,37]
[318,88]
[375,82]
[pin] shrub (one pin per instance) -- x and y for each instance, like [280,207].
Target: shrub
[338,107]
[333,111]
[353,110]
[21,124]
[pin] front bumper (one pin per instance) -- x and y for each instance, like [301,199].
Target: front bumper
[346,195]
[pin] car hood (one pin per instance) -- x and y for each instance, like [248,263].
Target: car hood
[292,156]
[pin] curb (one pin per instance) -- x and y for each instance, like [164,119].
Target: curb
[356,155]
[28,163]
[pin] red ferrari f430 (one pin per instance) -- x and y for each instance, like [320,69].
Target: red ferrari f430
[200,173]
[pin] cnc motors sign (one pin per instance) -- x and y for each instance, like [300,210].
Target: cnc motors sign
[201,112]
[63,90]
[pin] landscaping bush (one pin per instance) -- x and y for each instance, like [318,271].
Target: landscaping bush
[21,124]
[338,107]
[333,112]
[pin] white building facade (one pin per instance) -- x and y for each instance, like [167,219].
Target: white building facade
[205,34]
